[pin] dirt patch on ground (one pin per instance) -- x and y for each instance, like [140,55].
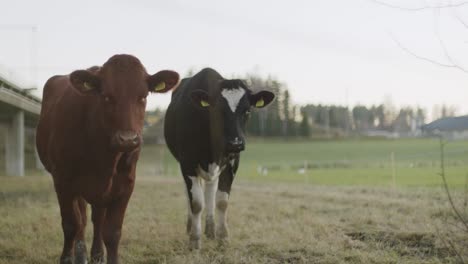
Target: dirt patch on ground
[414,244]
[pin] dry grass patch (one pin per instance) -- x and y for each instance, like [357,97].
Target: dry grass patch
[269,223]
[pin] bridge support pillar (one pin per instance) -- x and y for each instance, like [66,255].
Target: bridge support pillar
[14,146]
[39,164]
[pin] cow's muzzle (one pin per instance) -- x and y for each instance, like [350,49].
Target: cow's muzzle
[235,146]
[126,141]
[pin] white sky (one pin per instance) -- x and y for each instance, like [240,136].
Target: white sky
[326,51]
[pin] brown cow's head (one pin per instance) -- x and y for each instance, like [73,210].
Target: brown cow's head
[122,85]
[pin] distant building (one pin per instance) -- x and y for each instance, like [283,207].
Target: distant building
[380,133]
[449,127]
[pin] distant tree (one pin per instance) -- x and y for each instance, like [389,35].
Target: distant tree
[266,121]
[379,114]
[304,128]
[363,118]
[286,116]
[420,118]
[402,122]
[273,125]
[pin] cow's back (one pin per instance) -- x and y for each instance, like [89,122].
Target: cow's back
[56,117]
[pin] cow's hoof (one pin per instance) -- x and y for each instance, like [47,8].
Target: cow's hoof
[195,244]
[98,259]
[210,228]
[223,242]
[81,257]
[66,260]
[222,233]
[81,260]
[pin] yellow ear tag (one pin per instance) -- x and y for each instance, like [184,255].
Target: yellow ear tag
[204,103]
[260,103]
[161,86]
[87,86]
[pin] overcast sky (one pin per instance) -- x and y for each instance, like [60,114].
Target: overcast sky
[326,51]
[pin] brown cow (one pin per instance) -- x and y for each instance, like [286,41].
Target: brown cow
[88,138]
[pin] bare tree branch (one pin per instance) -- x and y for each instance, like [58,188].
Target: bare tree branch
[446,65]
[448,244]
[420,8]
[465,202]
[452,63]
[460,217]
[465,25]
[443,46]
[457,252]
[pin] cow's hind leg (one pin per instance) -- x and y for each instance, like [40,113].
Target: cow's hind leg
[210,194]
[81,256]
[195,194]
[189,213]
[97,249]
[222,199]
[70,224]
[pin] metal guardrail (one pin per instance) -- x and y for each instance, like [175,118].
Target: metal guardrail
[12,94]
[19,99]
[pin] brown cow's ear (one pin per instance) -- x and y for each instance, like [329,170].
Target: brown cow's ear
[163,81]
[85,82]
[261,99]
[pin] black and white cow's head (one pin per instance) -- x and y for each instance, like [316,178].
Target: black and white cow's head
[229,109]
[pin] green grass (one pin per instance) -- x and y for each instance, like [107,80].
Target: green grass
[347,162]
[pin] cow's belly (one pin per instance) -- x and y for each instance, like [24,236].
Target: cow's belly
[97,190]
[104,190]
[97,187]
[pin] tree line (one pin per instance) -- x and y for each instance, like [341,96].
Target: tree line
[282,118]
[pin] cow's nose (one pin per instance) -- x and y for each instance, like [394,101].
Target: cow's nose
[128,136]
[127,140]
[235,145]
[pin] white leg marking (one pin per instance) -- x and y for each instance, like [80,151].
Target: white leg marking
[197,209]
[210,192]
[213,172]
[210,196]
[222,199]
[233,97]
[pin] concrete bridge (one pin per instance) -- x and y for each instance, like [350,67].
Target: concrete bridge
[19,114]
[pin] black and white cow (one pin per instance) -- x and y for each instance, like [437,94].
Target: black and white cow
[204,130]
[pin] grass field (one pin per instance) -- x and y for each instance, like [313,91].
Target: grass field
[342,214]
[350,162]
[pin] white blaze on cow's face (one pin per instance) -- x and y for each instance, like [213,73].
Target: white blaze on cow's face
[233,96]
[235,105]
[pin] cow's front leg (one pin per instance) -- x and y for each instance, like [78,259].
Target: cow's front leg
[81,256]
[112,228]
[195,193]
[71,222]
[222,200]
[210,196]
[97,250]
